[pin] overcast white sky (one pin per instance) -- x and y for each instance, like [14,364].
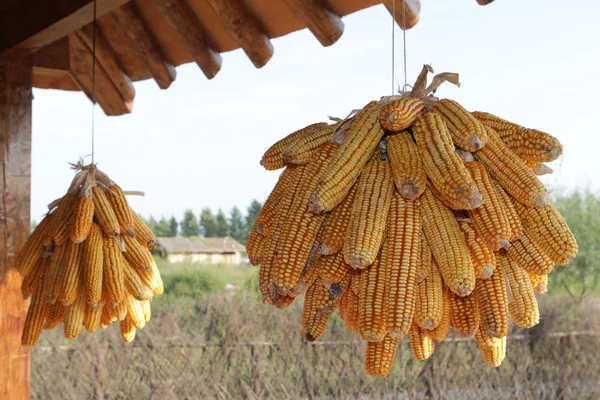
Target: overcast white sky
[198,143]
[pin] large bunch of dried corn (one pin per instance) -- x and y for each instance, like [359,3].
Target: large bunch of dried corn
[409,218]
[88,262]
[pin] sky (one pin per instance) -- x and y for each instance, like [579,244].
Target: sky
[198,143]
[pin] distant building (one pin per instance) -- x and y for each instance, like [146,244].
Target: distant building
[201,250]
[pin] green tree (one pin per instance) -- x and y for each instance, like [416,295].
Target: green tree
[236,225]
[173,227]
[189,225]
[162,228]
[222,226]
[208,223]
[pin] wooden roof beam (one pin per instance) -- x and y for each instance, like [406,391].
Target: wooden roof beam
[245,30]
[80,67]
[27,26]
[412,9]
[191,34]
[322,22]
[129,23]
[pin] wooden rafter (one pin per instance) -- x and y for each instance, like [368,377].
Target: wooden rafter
[407,12]
[322,22]
[142,41]
[190,34]
[245,30]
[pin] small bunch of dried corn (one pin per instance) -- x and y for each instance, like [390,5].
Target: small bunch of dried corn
[409,218]
[88,262]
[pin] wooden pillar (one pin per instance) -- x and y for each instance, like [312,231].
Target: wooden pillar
[15,189]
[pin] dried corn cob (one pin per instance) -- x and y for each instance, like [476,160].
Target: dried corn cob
[529,256]
[104,213]
[74,317]
[440,332]
[135,311]
[120,310]
[127,329]
[269,210]
[511,173]
[318,307]
[138,256]
[484,261]
[400,114]
[73,269]
[93,265]
[38,309]
[31,281]
[426,260]
[404,236]
[255,246]
[118,202]
[421,345]
[447,245]
[146,309]
[92,317]
[54,279]
[493,303]
[349,308]
[336,225]
[444,167]
[492,348]
[82,220]
[539,283]
[113,270]
[346,165]
[515,225]
[55,316]
[371,312]
[466,131]
[489,220]
[143,234]
[108,315]
[63,221]
[302,150]
[332,269]
[31,251]
[523,308]
[429,306]
[464,314]
[379,357]
[407,167]
[365,232]
[273,157]
[133,282]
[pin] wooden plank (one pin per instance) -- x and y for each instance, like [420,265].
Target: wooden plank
[246,30]
[15,189]
[80,66]
[191,34]
[54,56]
[44,78]
[107,59]
[484,2]
[27,26]
[142,41]
[412,8]
[322,22]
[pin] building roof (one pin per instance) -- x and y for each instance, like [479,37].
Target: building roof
[197,244]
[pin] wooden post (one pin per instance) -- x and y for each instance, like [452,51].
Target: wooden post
[15,189]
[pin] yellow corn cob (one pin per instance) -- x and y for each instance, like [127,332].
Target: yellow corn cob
[464,314]
[489,220]
[539,283]
[332,269]
[273,157]
[143,234]
[113,270]
[350,158]
[93,265]
[303,149]
[336,225]
[255,246]
[31,251]
[270,209]
[484,261]
[493,303]
[426,260]
[447,245]
[63,221]
[443,166]
[127,329]
[146,309]
[138,256]
[466,131]
[154,274]
[31,281]
[440,332]
[92,317]
[108,314]
[400,114]
[366,228]
[309,272]
[379,357]
[511,173]
[54,279]
[74,317]
[120,310]
[301,227]
[371,303]
[429,303]
[404,236]
[349,309]
[72,277]
[55,316]
[104,213]
[407,167]
[318,307]
[36,314]
[548,229]
[135,311]
[421,345]
[529,256]
[529,144]
[118,203]
[523,308]
[133,283]
[82,220]
[492,348]
[515,225]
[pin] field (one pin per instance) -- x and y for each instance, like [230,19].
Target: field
[206,342]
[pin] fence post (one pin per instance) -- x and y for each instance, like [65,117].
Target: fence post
[99,383]
[563,381]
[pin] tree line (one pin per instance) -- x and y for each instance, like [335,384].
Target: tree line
[208,224]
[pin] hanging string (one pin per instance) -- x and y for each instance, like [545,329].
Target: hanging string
[93,78]
[404,42]
[393,44]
